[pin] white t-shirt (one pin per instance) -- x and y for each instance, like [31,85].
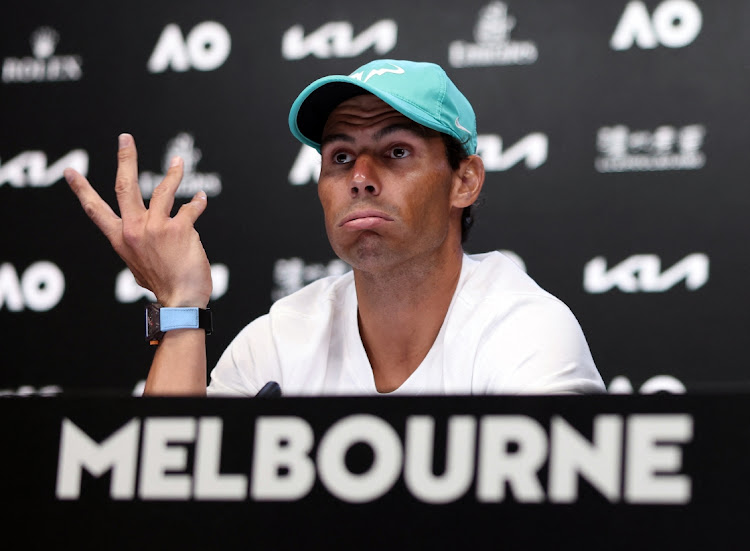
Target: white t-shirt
[502,334]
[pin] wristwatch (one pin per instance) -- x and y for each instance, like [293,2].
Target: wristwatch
[160,319]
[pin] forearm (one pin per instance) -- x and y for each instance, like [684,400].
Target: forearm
[179,366]
[165,255]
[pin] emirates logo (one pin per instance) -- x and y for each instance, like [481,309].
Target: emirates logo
[182,145]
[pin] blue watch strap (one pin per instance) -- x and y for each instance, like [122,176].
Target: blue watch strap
[160,319]
[178,318]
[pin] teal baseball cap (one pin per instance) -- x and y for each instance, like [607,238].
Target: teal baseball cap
[420,91]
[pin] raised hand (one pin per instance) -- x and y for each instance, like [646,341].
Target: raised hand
[164,253]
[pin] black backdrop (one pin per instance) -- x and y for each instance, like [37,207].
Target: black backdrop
[614,133]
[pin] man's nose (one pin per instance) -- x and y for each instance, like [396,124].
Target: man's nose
[364,178]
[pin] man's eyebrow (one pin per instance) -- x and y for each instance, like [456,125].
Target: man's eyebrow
[336,137]
[412,127]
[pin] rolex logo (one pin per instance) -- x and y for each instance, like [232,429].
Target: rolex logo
[44,66]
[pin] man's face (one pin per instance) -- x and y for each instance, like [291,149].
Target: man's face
[385,186]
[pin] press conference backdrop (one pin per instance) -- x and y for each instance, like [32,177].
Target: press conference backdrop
[613,133]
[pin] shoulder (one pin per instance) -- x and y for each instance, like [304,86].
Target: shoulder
[497,297]
[528,340]
[317,298]
[288,338]
[494,276]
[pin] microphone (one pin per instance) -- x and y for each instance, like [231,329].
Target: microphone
[270,390]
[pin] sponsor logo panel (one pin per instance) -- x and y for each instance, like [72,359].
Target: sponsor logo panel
[643,273]
[653,385]
[532,149]
[666,148]
[28,390]
[306,167]
[674,24]
[336,39]
[31,169]
[182,145]
[39,287]
[43,65]
[205,48]
[492,44]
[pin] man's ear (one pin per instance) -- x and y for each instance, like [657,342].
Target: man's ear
[468,181]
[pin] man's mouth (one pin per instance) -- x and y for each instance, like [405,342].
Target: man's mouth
[365,219]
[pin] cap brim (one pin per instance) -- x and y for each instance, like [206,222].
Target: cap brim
[310,111]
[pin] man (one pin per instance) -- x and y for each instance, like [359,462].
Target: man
[416,315]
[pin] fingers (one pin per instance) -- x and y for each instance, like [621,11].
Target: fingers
[129,195]
[192,210]
[126,185]
[95,207]
[162,198]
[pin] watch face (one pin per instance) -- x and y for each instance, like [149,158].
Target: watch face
[153,328]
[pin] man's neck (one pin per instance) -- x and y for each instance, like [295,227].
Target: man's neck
[400,314]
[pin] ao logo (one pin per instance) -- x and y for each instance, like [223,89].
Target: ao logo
[675,23]
[127,290]
[29,169]
[531,149]
[206,48]
[336,39]
[642,272]
[657,383]
[40,287]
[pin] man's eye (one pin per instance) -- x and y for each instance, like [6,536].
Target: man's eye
[341,158]
[399,153]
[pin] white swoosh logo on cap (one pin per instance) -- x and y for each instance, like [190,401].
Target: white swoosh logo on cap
[458,124]
[377,72]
